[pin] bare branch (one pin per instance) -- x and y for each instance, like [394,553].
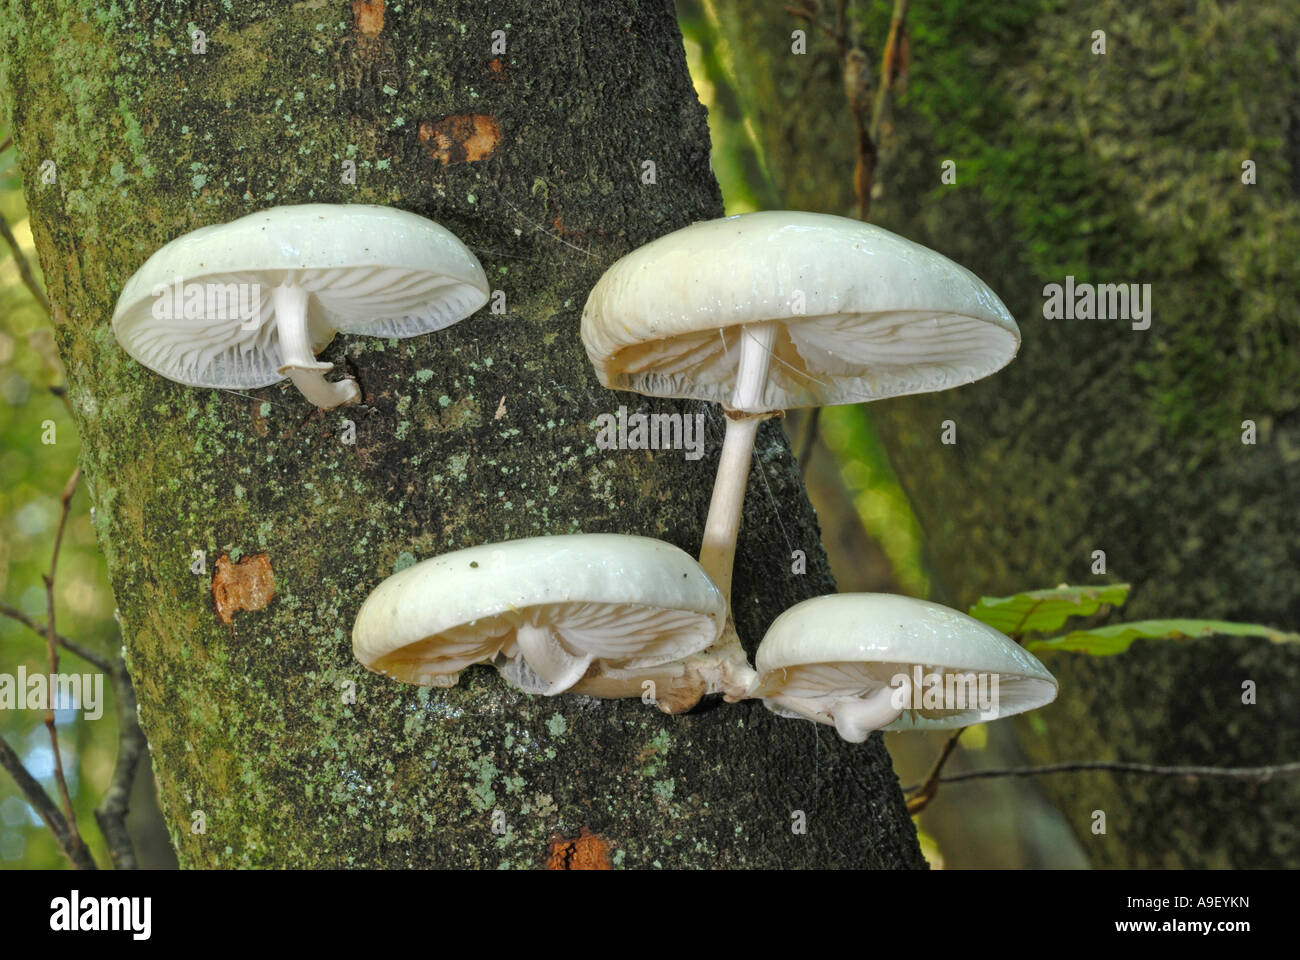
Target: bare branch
[76,649]
[45,807]
[855,68]
[887,61]
[922,795]
[52,646]
[112,810]
[1119,766]
[925,793]
[24,268]
[810,15]
[808,439]
[62,394]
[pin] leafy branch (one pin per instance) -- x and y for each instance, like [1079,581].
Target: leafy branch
[1038,611]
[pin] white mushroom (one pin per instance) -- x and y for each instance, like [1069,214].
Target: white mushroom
[244,304]
[765,312]
[587,613]
[874,661]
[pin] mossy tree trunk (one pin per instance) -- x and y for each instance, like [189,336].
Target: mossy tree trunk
[480,433]
[1122,167]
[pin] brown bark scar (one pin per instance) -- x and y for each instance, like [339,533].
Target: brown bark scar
[461,137]
[246,585]
[587,851]
[369,16]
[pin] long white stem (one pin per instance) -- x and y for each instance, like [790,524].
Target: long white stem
[718,550]
[723,667]
[297,358]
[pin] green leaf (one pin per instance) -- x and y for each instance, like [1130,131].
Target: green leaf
[1107,641]
[1038,611]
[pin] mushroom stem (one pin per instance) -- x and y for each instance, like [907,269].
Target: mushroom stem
[298,361]
[546,655]
[856,717]
[724,668]
[672,687]
[718,550]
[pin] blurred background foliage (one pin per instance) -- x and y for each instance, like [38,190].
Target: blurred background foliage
[34,473]
[984,85]
[29,505]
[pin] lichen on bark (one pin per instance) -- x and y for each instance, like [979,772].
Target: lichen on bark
[251,723]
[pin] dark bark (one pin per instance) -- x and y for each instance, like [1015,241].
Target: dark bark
[248,723]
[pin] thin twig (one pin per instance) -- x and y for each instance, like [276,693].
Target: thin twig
[62,394]
[921,797]
[1119,766]
[90,656]
[112,810]
[6,143]
[24,269]
[805,13]
[808,439]
[925,793]
[75,851]
[896,23]
[52,646]
[842,29]
[131,744]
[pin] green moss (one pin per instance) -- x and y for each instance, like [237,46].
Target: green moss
[247,722]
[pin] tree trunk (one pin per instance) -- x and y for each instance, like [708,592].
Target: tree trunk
[1122,167]
[480,433]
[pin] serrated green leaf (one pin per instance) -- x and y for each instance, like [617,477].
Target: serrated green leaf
[1107,641]
[1038,611]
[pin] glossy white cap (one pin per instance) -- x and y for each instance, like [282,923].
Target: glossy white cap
[547,610]
[862,314]
[851,647]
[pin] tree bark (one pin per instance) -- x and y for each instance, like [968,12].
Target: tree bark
[1123,167]
[248,724]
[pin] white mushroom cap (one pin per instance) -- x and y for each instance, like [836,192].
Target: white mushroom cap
[833,658]
[370,270]
[544,608]
[862,314]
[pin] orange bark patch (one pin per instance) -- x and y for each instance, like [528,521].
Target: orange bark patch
[461,137]
[589,851]
[246,585]
[369,16]
[495,65]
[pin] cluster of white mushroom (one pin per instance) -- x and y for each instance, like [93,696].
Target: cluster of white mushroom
[761,313]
